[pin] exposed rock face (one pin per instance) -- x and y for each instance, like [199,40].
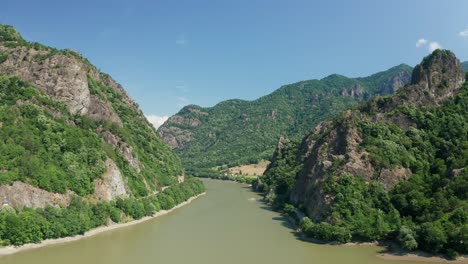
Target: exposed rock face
[21,194]
[176,131]
[64,78]
[59,76]
[329,144]
[175,137]
[67,76]
[437,78]
[334,148]
[176,134]
[99,110]
[111,185]
[353,91]
[396,82]
[279,150]
[125,148]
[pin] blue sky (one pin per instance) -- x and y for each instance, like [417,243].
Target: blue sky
[171,53]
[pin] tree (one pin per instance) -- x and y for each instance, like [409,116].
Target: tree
[406,238]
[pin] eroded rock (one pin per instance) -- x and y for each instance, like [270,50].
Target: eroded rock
[111,185]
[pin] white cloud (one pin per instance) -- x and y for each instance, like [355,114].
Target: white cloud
[156,120]
[181,40]
[464,33]
[434,45]
[421,42]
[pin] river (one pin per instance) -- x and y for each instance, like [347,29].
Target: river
[227,225]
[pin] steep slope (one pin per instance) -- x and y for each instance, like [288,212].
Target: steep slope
[240,132]
[83,120]
[395,168]
[76,152]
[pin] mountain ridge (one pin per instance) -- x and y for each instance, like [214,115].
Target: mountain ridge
[288,111]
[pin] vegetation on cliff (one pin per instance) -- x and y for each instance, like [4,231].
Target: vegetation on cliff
[25,225]
[47,145]
[238,132]
[62,123]
[425,207]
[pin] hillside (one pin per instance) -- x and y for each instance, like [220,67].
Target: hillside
[395,168]
[465,66]
[72,138]
[237,132]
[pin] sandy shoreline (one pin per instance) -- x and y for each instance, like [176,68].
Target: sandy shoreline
[12,249]
[420,258]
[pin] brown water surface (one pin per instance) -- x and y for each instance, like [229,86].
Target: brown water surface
[227,225]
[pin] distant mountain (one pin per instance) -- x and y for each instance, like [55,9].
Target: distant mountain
[396,168]
[240,132]
[465,66]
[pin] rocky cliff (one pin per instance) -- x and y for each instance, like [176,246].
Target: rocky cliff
[346,144]
[394,168]
[341,146]
[132,160]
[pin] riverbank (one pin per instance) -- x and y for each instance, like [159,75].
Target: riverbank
[392,251]
[240,179]
[420,257]
[12,249]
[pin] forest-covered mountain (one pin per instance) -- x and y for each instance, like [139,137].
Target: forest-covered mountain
[395,168]
[73,142]
[465,66]
[241,132]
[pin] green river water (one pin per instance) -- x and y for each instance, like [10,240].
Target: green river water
[227,225]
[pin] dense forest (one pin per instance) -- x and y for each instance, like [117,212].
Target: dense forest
[47,145]
[25,225]
[65,152]
[238,132]
[427,211]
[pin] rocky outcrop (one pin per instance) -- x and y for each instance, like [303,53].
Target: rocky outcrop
[59,76]
[111,185]
[332,148]
[278,152]
[396,82]
[437,78]
[100,110]
[64,77]
[21,194]
[175,137]
[89,95]
[353,91]
[335,148]
[176,131]
[125,148]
